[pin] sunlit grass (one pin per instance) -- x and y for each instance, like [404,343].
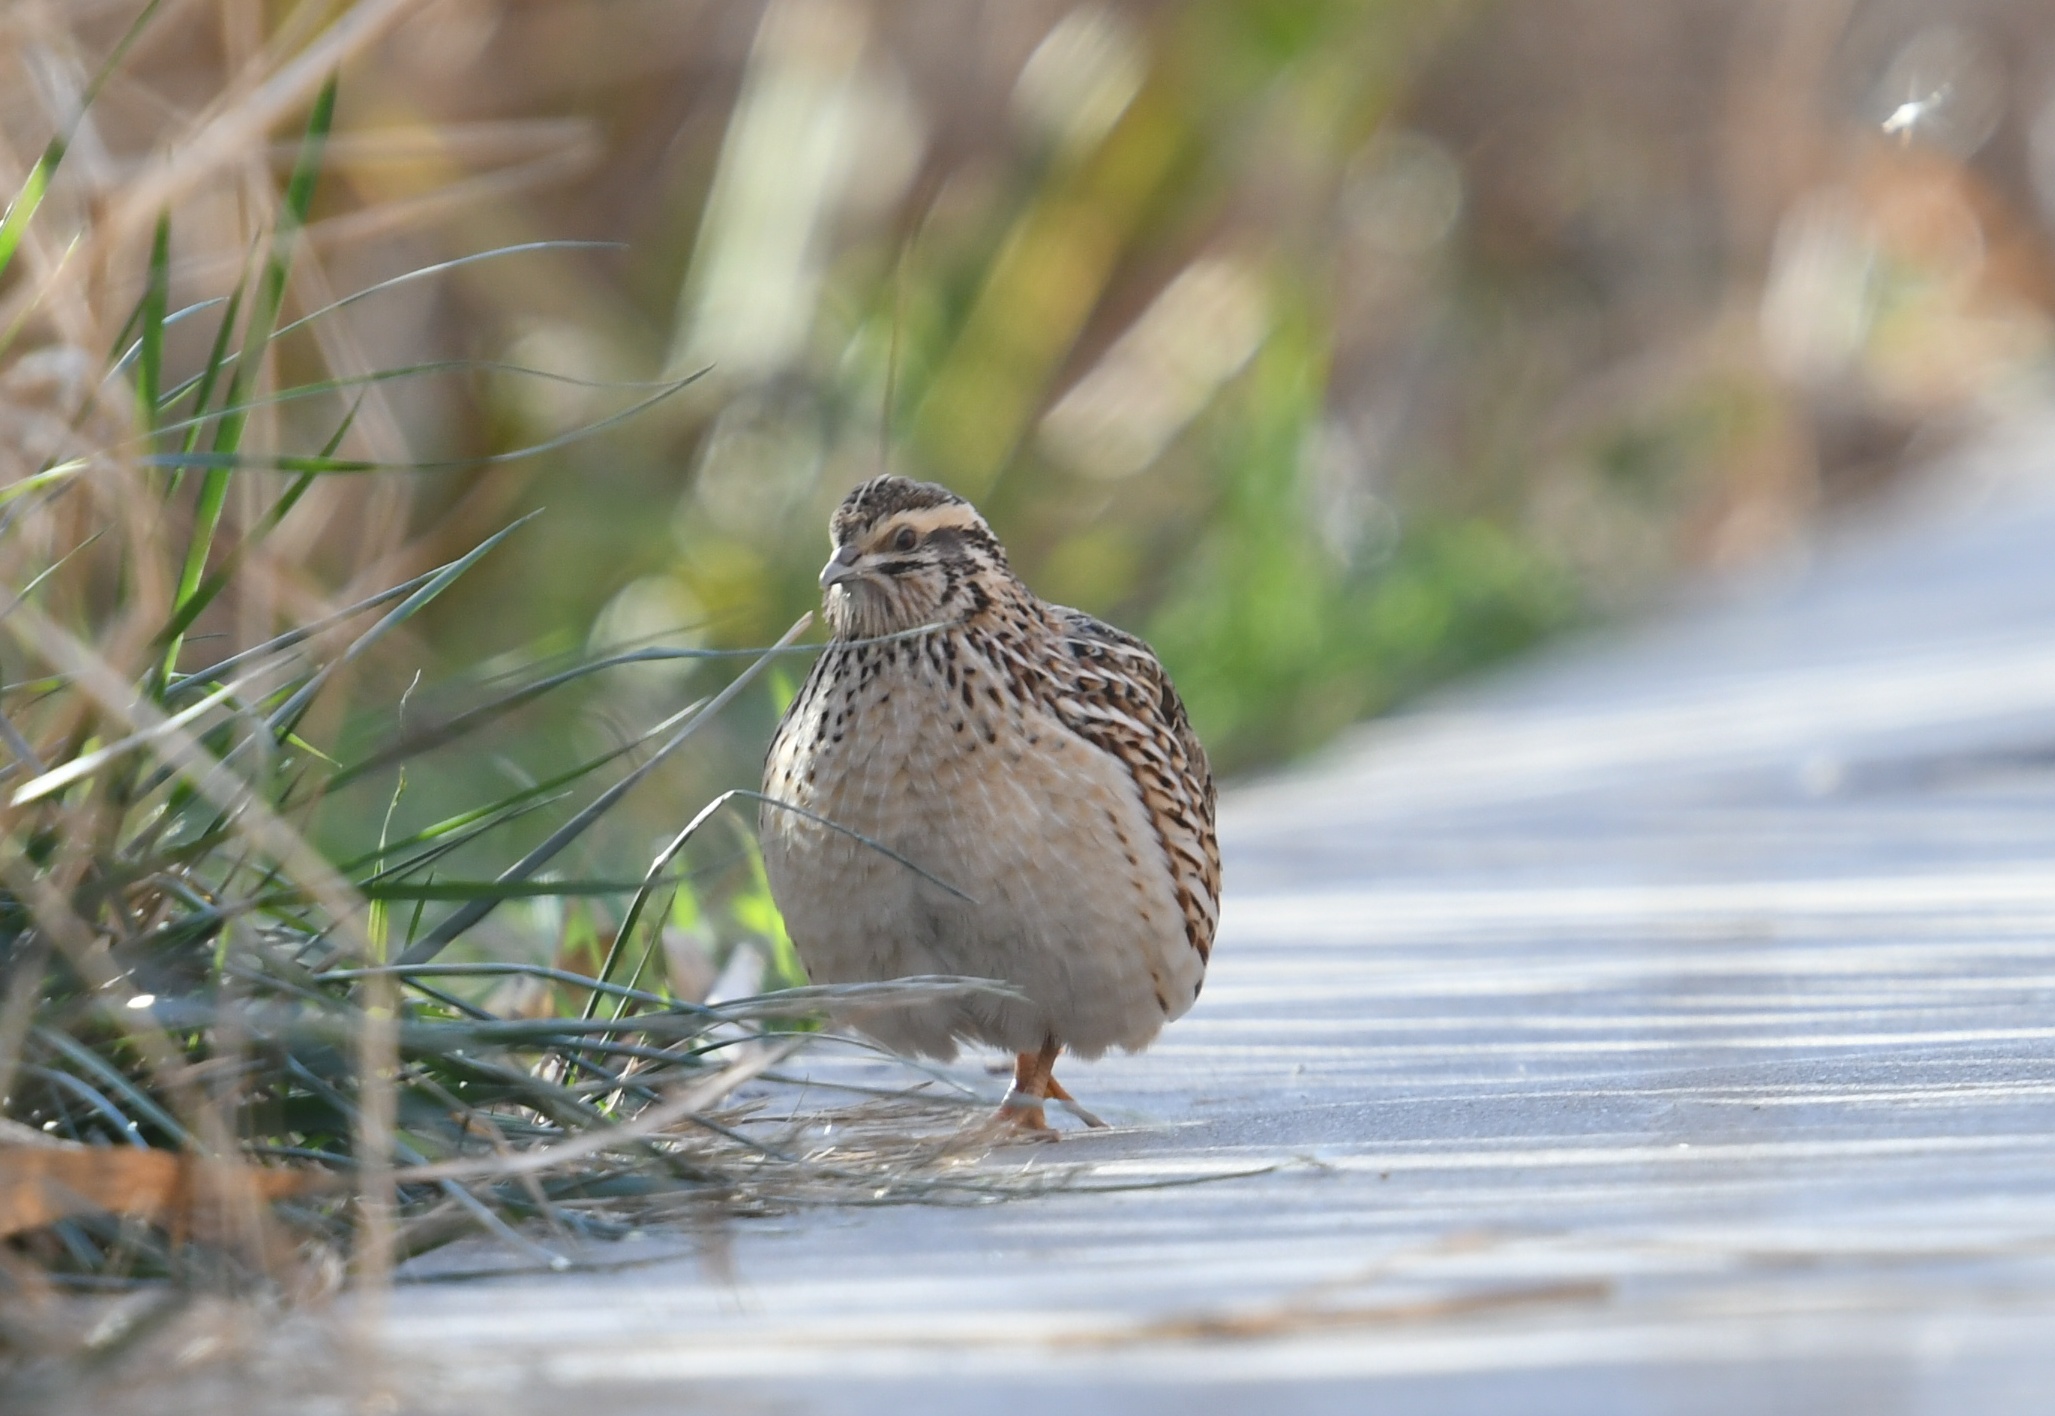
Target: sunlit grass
[230,1052]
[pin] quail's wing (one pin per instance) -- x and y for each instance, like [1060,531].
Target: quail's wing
[1113,692]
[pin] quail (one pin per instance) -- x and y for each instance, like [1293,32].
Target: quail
[974,782]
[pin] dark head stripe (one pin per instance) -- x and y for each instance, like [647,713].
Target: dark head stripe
[881,497]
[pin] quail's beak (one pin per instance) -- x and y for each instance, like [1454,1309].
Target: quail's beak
[841,566]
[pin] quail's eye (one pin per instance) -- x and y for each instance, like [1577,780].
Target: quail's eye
[904,541]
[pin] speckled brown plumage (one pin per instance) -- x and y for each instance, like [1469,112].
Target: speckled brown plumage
[1036,760]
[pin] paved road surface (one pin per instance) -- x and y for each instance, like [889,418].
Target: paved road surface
[1668,1027]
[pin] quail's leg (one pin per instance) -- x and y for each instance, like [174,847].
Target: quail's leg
[1032,1079]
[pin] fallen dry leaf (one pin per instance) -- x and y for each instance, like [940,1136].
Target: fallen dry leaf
[186,1193]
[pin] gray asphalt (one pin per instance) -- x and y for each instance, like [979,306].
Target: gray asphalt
[1666,1026]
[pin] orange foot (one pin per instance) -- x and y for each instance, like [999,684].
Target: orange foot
[1034,1085]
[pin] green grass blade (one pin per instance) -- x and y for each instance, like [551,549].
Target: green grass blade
[320,387]
[22,210]
[228,432]
[135,347]
[156,297]
[465,918]
[447,838]
[96,1101]
[48,477]
[196,604]
[230,461]
[497,813]
[130,354]
[305,632]
[442,267]
[459,891]
[471,719]
[517,803]
[520,970]
[90,1062]
[292,218]
[288,714]
[202,384]
[46,572]
[84,765]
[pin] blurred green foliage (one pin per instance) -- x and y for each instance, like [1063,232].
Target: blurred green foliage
[1136,250]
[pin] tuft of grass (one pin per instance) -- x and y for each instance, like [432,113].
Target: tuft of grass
[224,1051]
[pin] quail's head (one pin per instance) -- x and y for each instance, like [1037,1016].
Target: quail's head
[909,554]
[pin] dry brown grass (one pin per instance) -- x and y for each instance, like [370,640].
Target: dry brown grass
[233,1062]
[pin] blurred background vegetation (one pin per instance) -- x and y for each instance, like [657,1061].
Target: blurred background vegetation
[1337,346]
